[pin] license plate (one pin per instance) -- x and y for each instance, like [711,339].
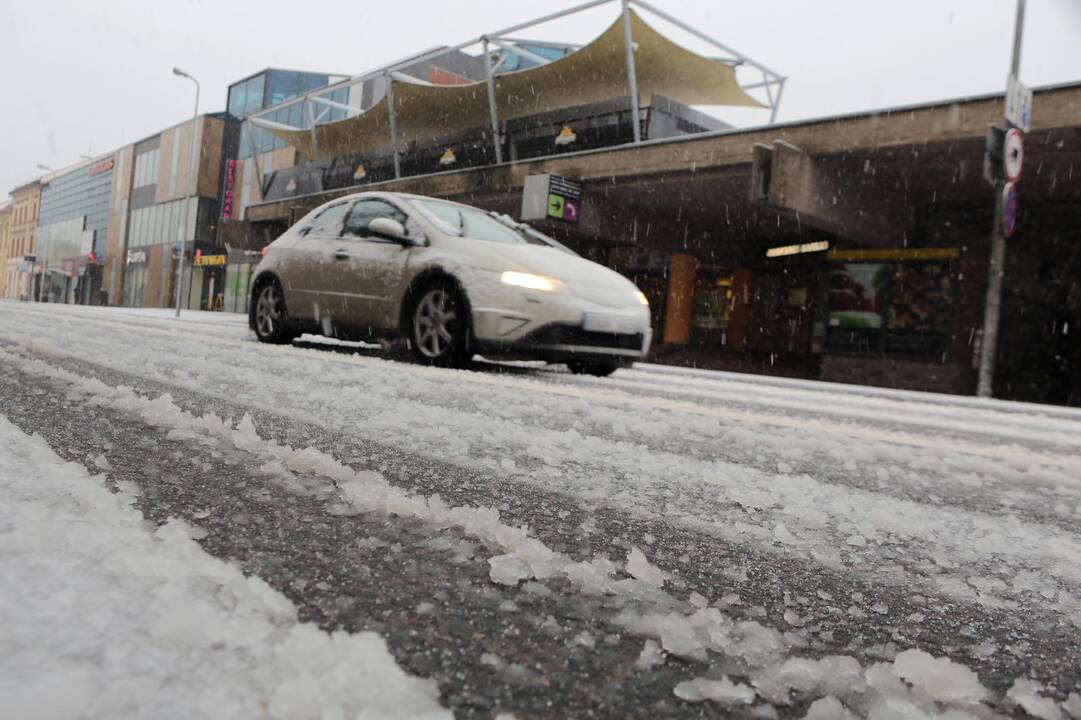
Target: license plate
[597,322]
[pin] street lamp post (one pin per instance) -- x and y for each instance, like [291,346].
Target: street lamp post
[191,193]
[44,258]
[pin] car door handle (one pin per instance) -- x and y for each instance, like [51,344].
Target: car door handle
[341,255]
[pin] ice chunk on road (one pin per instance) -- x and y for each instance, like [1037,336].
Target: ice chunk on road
[651,656]
[722,691]
[1027,694]
[638,567]
[940,678]
[508,569]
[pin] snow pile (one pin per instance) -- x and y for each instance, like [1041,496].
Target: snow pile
[101,617]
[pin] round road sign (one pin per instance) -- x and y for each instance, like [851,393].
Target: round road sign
[1013,154]
[1009,209]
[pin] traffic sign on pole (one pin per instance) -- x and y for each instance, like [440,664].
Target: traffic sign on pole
[1013,154]
[1018,103]
[1009,209]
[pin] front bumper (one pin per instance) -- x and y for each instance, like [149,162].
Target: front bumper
[559,343]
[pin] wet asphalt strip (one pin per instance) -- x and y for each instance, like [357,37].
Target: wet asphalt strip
[372,571]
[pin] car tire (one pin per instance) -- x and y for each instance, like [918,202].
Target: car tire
[596,369]
[438,331]
[269,317]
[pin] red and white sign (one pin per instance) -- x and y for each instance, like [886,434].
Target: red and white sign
[102,166]
[1013,154]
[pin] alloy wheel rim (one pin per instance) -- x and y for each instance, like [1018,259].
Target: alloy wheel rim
[434,322]
[268,311]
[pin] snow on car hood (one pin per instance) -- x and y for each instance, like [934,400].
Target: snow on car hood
[584,279]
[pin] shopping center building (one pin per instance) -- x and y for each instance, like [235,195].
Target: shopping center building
[156,209]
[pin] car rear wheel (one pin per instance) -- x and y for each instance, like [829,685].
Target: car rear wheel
[438,332]
[597,369]
[271,321]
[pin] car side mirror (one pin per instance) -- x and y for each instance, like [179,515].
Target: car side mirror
[388,229]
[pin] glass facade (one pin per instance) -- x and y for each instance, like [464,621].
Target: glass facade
[161,224]
[74,212]
[515,61]
[273,87]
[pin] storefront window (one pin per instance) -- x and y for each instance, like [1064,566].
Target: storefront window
[899,307]
[921,296]
[712,305]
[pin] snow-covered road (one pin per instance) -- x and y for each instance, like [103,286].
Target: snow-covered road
[710,540]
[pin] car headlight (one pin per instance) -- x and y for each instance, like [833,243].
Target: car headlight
[641,297]
[528,281]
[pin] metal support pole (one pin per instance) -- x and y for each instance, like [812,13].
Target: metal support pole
[497,143]
[777,102]
[393,126]
[632,75]
[44,269]
[996,269]
[311,124]
[187,200]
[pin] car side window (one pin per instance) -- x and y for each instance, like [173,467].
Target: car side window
[329,222]
[364,211]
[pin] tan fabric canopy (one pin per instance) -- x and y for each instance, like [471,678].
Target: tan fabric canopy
[596,72]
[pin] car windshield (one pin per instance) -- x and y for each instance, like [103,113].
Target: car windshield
[466,221]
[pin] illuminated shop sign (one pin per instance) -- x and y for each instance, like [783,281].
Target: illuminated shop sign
[819,246]
[227,201]
[210,260]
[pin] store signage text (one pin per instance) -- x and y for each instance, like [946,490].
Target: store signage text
[103,166]
[136,257]
[564,199]
[547,197]
[211,260]
[227,201]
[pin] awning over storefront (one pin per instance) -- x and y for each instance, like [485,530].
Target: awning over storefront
[596,72]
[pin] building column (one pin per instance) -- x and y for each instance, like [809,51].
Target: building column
[682,275]
[741,309]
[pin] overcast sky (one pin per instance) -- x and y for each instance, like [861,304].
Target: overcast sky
[86,77]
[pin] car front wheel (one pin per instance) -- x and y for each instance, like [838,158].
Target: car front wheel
[439,326]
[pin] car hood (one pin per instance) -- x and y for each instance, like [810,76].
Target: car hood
[583,278]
